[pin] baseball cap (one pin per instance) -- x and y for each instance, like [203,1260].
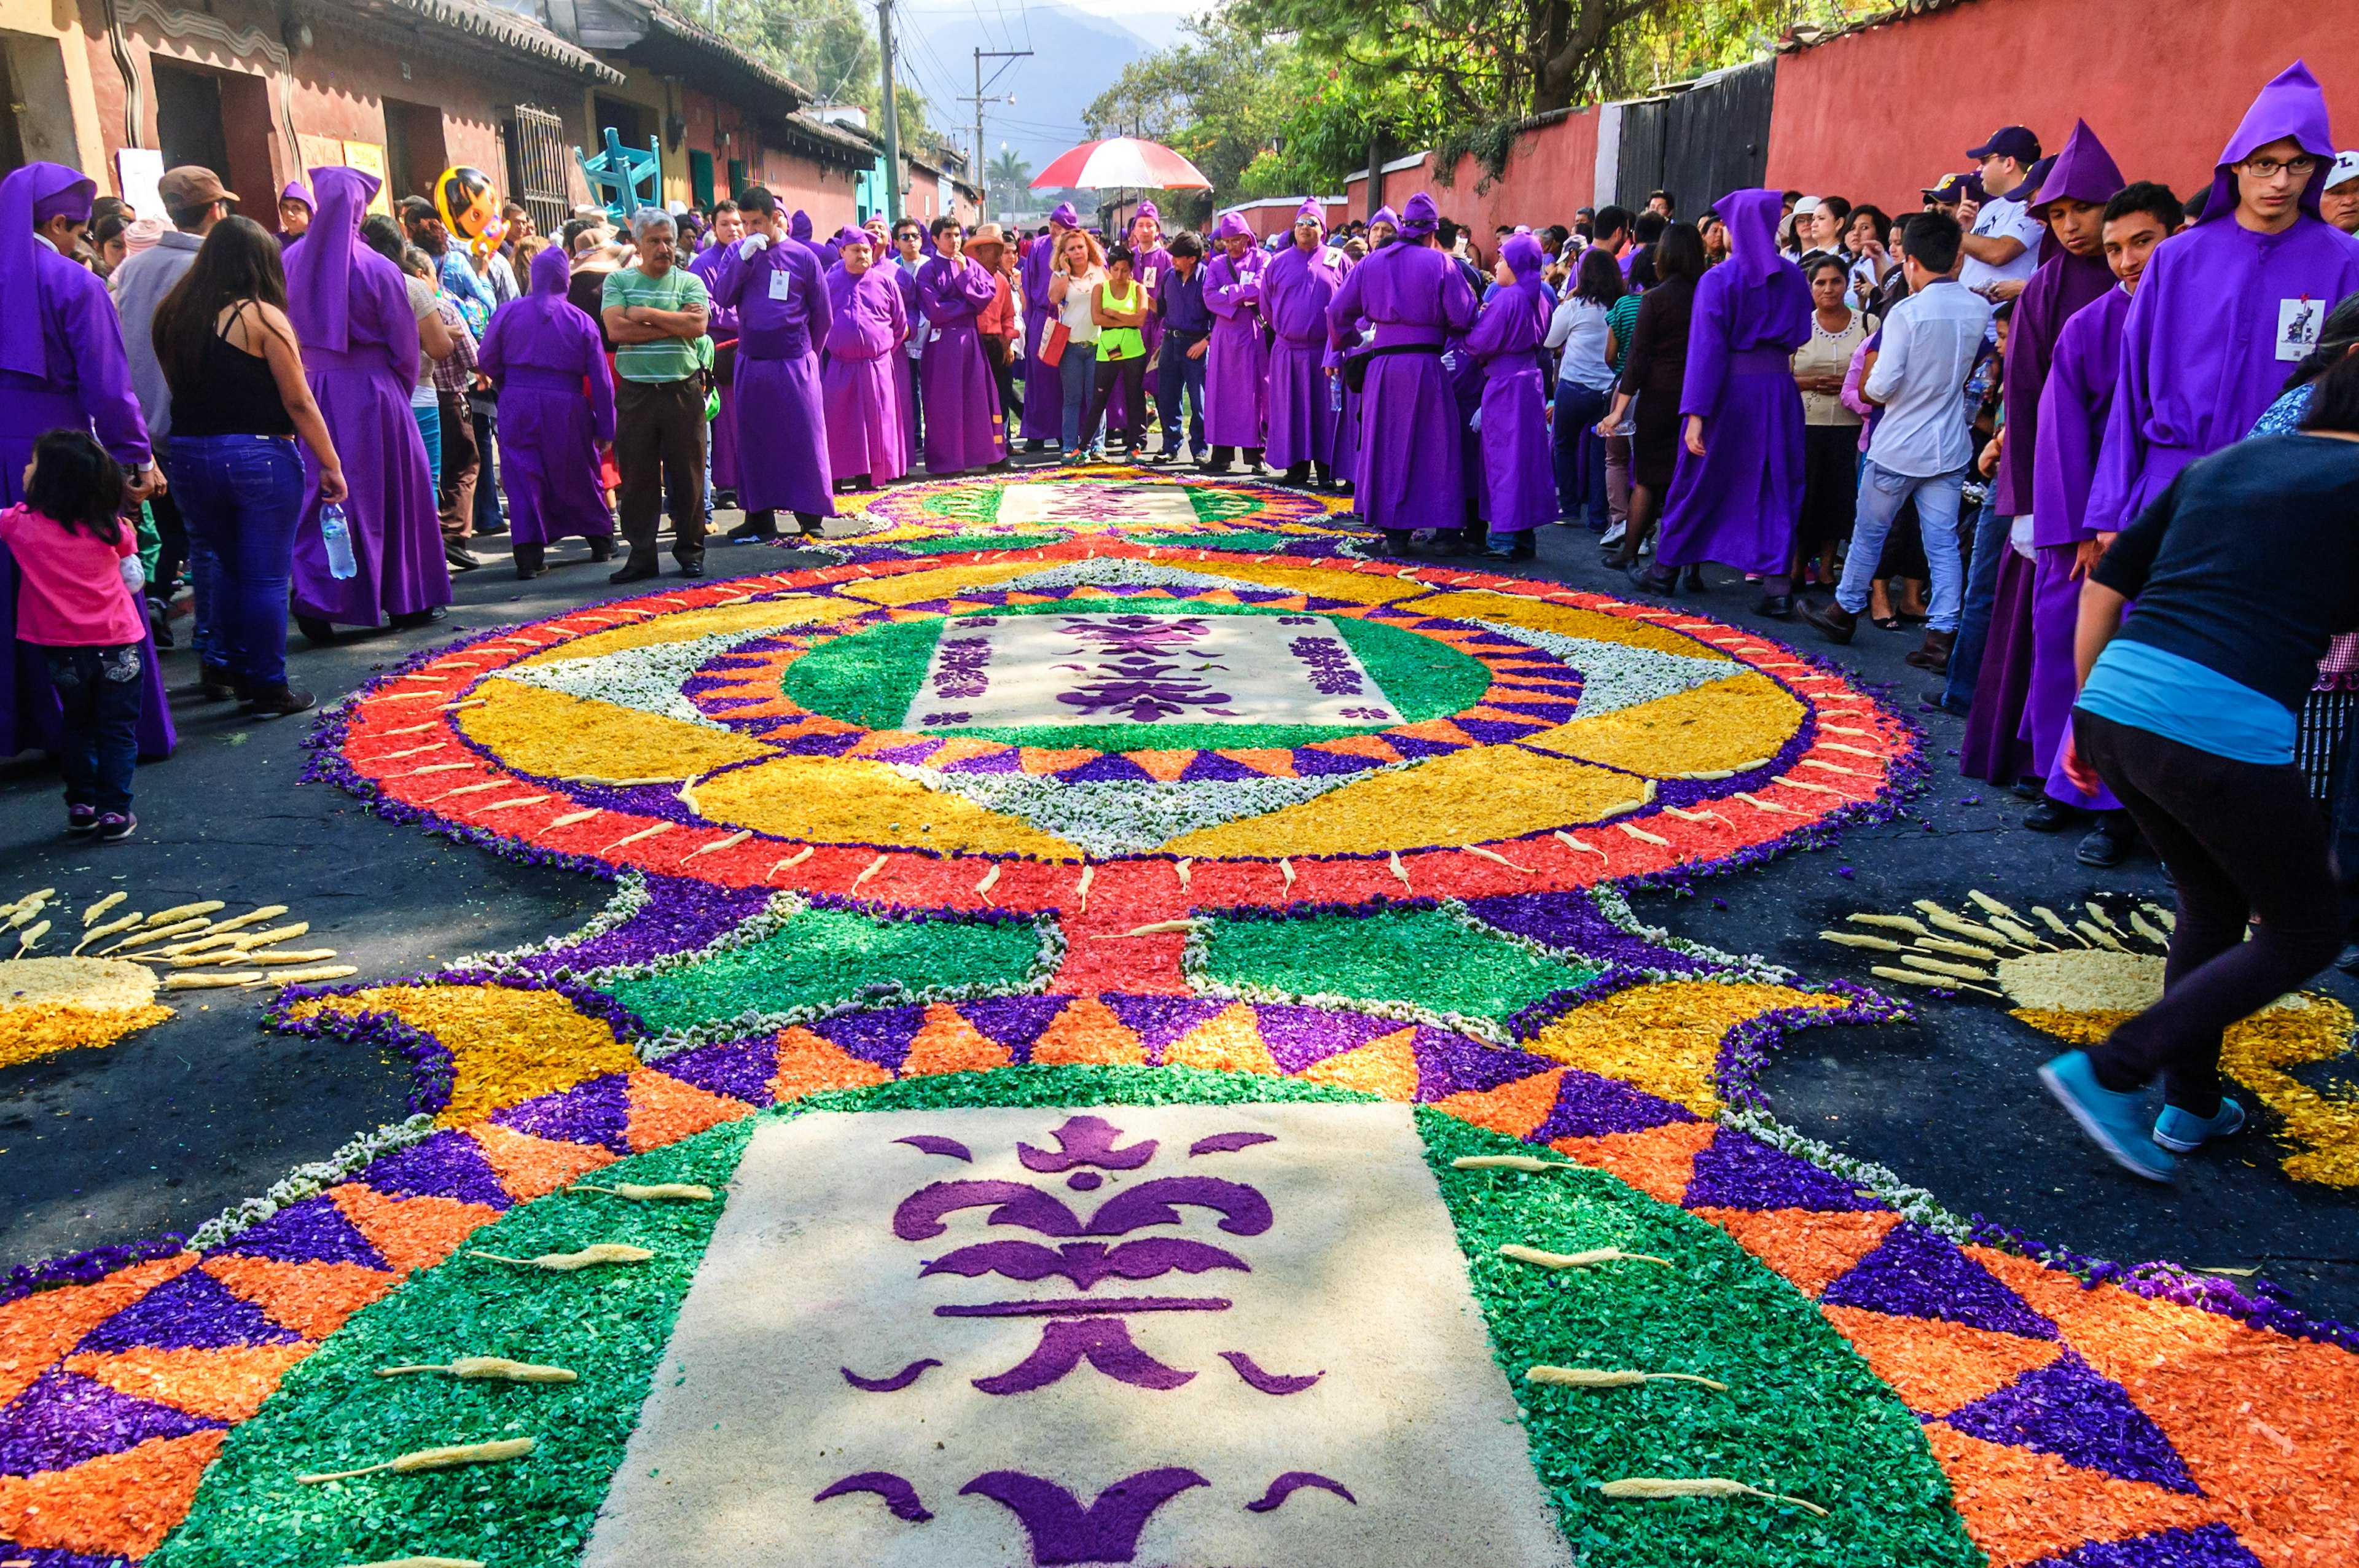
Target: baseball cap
[191,187]
[2009,141]
[2346,169]
[1949,188]
[1806,206]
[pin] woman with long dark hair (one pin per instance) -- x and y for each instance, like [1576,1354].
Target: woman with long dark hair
[229,355]
[1654,373]
[1584,380]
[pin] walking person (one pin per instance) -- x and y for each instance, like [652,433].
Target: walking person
[867,440]
[996,325]
[1654,373]
[1118,303]
[542,355]
[654,311]
[1186,336]
[778,288]
[1519,488]
[1585,383]
[720,326]
[1298,285]
[1237,379]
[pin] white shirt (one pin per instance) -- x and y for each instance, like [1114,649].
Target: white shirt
[1579,327]
[1930,341]
[2004,218]
[1073,310]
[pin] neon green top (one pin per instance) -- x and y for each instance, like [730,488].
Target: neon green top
[1120,343]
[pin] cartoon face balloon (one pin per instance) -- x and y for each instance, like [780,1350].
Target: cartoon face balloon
[487,242]
[466,202]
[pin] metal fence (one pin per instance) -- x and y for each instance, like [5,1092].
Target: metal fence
[538,162]
[1698,145]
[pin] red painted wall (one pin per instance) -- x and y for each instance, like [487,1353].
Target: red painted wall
[1551,172]
[1878,116]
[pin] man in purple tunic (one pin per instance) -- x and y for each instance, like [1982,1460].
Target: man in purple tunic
[867,437]
[1381,229]
[2226,308]
[1736,493]
[1151,264]
[721,448]
[541,351]
[778,290]
[1297,287]
[1518,463]
[1411,298]
[962,399]
[1236,375]
[1044,408]
[353,319]
[62,368]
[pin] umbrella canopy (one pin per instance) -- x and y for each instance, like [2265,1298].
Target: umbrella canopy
[1122,161]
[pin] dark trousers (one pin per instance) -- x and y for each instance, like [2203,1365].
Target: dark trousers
[659,451]
[487,472]
[1975,619]
[2240,840]
[242,496]
[2344,808]
[1002,375]
[1579,454]
[1130,376]
[1179,387]
[100,692]
[454,489]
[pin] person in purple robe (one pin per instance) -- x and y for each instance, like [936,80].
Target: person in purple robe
[1151,266]
[541,351]
[1518,463]
[62,368]
[2229,306]
[352,316]
[962,399]
[780,291]
[1382,228]
[1236,374]
[1736,495]
[867,437]
[799,229]
[1411,298]
[1044,407]
[721,448]
[1297,287]
[293,212]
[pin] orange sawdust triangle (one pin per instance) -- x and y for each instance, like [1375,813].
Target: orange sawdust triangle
[1505,716]
[1935,1366]
[312,1299]
[2020,1506]
[884,740]
[1228,1041]
[1274,761]
[1385,1065]
[1812,1249]
[41,1328]
[808,1065]
[1162,766]
[1087,1033]
[665,1111]
[948,1043]
[1659,1162]
[226,1385]
[411,1233]
[118,1505]
[530,1167]
[1052,759]
[1371,746]
[959,748]
[1439,729]
[1516,1109]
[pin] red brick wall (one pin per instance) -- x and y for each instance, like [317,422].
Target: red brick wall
[1552,171]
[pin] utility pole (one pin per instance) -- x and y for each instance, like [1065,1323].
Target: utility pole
[982,172]
[892,115]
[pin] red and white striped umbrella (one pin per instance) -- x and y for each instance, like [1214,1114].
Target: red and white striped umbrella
[1122,161]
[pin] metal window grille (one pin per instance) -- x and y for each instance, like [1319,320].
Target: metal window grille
[538,161]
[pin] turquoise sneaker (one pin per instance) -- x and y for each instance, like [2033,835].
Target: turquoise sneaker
[2184,1132]
[2114,1120]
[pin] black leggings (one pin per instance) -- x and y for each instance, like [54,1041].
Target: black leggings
[1131,377]
[2239,839]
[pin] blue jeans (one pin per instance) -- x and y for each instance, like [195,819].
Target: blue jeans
[1177,377]
[1882,493]
[242,496]
[1077,372]
[102,693]
[429,425]
[1580,453]
[1974,620]
[487,475]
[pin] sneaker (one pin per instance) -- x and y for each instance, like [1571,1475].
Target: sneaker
[114,824]
[2183,1131]
[2114,1120]
[1614,536]
[82,819]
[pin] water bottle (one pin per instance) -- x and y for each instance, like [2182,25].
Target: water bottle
[337,535]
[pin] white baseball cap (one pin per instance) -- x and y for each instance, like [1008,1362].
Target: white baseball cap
[1806,206]
[2345,169]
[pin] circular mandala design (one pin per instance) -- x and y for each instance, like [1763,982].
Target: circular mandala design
[1141,504]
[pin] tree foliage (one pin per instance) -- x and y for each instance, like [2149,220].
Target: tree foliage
[828,49]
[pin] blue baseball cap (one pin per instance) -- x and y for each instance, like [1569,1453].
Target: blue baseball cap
[2009,141]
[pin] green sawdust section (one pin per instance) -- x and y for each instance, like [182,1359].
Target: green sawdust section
[824,956]
[951,543]
[1416,955]
[871,676]
[1803,1415]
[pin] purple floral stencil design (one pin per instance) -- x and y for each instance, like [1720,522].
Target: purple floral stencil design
[1293,1481]
[961,667]
[900,1496]
[1062,1531]
[1135,675]
[892,1385]
[1327,665]
[1086,1141]
[1065,1343]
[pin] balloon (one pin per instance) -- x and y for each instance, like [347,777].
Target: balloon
[466,202]
[487,242]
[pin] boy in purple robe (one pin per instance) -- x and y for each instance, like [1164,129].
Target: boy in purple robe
[1044,408]
[1518,463]
[1297,287]
[962,399]
[721,448]
[867,436]
[1736,493]
[1152,267]
[2227,310]
[1236,374]
[1411,298]
[540,350]
[778,290]
[62,368]
[353,319]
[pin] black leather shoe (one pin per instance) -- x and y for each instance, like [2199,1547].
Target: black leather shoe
[751,533]
[1779,606]
[2051,815]
[412,620]
[2108,845]
[602,547]
[319,631]
[634,570]
[1835,623]
[692,568]
[1642,577]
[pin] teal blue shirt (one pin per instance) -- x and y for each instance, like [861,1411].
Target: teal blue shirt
[2149,688]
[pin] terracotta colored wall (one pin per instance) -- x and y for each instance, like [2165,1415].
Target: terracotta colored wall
[1552,171]
[1878,115]
[825,193]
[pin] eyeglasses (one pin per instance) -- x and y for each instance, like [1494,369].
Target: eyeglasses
[2269,169]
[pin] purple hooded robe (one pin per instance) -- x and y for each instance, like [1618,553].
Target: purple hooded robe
[62,367]
[1297,287]
[780,297]
[360,348]
[1518,464]
[1151,264]
[866,431]
[1236,369]
[961,397]
[722,328]
[1044,408]
[1414,297]
[2200,354]
[540,350]
[1347,420]
[1739,502]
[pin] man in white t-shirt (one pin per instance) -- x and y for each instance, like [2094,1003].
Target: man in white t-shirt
[2002,243]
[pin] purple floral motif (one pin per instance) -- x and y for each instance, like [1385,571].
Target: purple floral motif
[2210,1546]
[1741,1171]
[961,667]
[1268,1382]
[1293,1481]
[1228,1142]
[928,1143]
[315,1231]
[1086,1141]
[1085,1264]
[1136,672]
[2067,1409]
[947,716]
[1104,1344]
[190,1311]
[1154,637]
[596,1111]
[446,1165]
[1328,665]
[1243,1210]
[1916,1273]
[1372,715]
[65,1418]
[900,1496]
[892,1385]
[1062,1531]
[1079,1307]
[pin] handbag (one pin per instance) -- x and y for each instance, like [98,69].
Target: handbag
[1052,347]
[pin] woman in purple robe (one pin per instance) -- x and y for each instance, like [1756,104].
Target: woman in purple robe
[1297,287]
[1736,494]
[1518,463]
[778,290]
[540,350]
[1044,407]
[1236,372]
[62,368]
[962,399]
[1413,297]
[359,338]
[867,435]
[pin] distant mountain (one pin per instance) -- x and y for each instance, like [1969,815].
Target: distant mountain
[1076,56]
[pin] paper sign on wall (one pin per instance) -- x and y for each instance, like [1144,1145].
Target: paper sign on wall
[136,170]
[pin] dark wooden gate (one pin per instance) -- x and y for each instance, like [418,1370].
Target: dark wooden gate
[538,162]
[1698,145]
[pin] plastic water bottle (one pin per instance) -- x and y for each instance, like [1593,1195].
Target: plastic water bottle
[337,535]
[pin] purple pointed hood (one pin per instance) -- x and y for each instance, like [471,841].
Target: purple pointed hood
[1750,217]
[1420,217]
[296,190]
[1312,214]
[2083,171]
[1525,258]
[551,273]
[1065,217]
[1386,216]
[1232,226]
[1771,303]
[2290,105]
[320,266]
[799,227]
[33,194]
